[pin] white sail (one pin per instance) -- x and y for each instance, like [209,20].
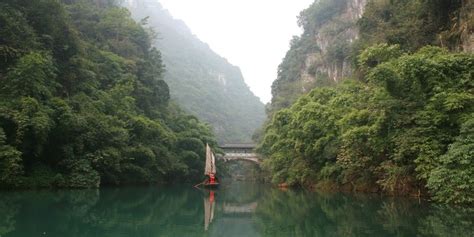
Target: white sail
[208,168]
[210,161]
[213,163]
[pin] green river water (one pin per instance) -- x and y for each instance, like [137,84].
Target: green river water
[236,209]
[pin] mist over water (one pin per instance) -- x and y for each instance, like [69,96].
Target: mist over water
[238,209]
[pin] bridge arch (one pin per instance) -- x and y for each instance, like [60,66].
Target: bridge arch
[234,152]
[251,159]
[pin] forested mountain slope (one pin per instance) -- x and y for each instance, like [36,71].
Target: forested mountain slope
[83,102]
[201,81]
[377,98]
[335,32]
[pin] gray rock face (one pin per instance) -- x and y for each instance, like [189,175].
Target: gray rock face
[321,55]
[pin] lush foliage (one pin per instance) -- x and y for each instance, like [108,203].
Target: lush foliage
[411,24]
[83,103]
[451,179]
[403,127]
[202,82]
[337,31]
[409,124]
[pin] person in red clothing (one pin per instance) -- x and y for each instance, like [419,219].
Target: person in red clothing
[212,178]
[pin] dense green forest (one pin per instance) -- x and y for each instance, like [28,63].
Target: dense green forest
[202,82]
[83,102]
[401,122]
[336,31]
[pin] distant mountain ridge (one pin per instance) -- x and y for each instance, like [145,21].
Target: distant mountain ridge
[201,81]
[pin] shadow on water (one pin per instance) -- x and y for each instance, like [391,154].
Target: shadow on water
[237,209]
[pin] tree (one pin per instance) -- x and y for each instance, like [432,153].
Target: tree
[452,178]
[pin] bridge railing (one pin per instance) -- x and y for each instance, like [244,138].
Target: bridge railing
[240,155]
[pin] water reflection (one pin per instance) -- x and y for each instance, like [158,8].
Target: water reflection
[209,204]
[310,214]
[238,209]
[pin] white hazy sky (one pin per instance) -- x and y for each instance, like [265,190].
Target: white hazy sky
[251,34]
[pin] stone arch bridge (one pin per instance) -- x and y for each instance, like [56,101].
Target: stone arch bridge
[239,152]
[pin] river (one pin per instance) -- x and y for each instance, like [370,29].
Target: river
[236,209]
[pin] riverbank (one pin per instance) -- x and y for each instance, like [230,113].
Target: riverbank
[330,186]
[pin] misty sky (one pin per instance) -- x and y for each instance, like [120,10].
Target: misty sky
[251,34]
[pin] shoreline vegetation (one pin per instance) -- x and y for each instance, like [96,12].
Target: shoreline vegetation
[83,102]
[399,121]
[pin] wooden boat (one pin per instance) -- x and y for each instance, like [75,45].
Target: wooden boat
[210,169]
[210,185]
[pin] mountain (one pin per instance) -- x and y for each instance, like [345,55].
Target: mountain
[202,82]
[377,96]
[83,102]
[336,31]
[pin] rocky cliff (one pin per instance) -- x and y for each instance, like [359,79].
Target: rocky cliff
[335,31]
[320,56]
[466,26]
[333,38]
